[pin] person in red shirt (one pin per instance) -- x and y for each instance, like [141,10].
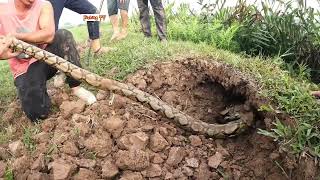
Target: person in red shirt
[32,21]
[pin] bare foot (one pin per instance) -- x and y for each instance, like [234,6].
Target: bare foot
[114,36]
[103,50]
[84,95]
[122,35]
[316,94]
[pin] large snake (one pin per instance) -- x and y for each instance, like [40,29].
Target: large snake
[179,118]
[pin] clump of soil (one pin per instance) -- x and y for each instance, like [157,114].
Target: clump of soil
[127,140]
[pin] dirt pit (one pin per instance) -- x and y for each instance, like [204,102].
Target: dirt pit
[127,140]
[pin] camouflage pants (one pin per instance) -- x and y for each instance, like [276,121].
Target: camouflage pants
[159,14]
[31,86]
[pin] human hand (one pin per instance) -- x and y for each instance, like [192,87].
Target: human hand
[122,1]
[5,51]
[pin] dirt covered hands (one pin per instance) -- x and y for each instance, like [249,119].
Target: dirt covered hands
[5,51]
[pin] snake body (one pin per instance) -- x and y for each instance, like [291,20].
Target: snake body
[179,118]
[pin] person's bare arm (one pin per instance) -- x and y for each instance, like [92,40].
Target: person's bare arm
[47,29]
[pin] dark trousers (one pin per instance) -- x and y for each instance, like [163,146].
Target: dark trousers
[80,7]
[31,86]
[159,14]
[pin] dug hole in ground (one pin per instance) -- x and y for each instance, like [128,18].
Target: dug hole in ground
[128,140]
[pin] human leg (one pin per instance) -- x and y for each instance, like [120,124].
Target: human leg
[160,19]
[144,17]
[124,7]
[113,16]
[32,91]
[85,7]
[58,6]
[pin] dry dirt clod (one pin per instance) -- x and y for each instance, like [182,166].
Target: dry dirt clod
[215,160]
[119,102]
[109,170]
[114,125]
[83,129]
[192,162]
[101,95]
[85,174]
[132,123]
[163,131]
[195,140]
[60,137]
[142,84]
[70,107]
[48,125]
[42,137]
[16,148]
[176,155]
[37,176]
[158,142]
[187,171]
[203,172]
[131,176]
[157,159]
[222,151]
[134,159]
[177,173]
[137,140]
[39,163]
[61,169]
[78,118]
[154,170]
[169,176]
[21,164]
[70,148]
[86,163]
[101,144]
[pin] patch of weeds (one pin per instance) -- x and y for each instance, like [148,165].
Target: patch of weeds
[52,148]
[91,155]
[223,174]
[76,131]
[28,140]
[6,133]
[55,109]
[8,175]
[280,132]
[7,89]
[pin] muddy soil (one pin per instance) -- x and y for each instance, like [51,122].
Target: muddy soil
[127,140]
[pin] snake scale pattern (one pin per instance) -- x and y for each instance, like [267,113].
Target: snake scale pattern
[177,117]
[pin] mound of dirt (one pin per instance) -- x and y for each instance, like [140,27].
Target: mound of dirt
[127,140]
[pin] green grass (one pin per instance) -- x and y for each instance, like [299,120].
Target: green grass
[7,89]
[27,138]
[9,174]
